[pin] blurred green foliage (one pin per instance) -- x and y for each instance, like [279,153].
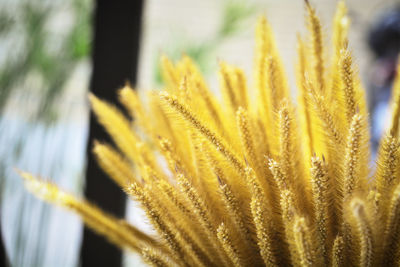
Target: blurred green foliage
[29,22]
[235,13]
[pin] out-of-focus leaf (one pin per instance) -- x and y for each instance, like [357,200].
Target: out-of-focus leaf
[234,14]
[5,22]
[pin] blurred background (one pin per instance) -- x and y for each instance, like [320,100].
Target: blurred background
[53,52]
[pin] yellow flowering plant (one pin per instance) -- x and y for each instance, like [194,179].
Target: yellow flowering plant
[252,179]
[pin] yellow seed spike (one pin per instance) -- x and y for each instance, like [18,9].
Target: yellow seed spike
[279,176]
[114,164]
[261,207]
[304,102]
[264,232]
[212,137]
[288,157]
[174,197]
[131,101]
[277,77]
[289,207]
[374,198]
[241,85]
[247,137]
[334,139]
[228,87]
[340,29]
[153,258]
[184,231]
[171,200]
[147,157]
[289,210]
[169,73]
[202,214]
[285,142]
[333,132]
[352,168]
[181,142]
[347,83]
[228,245]
[183,89]
[254,185]
[317,47]
[197,254]
[364,233]
[337,252]
[236,213]
[281,183]
[351,248]
[170,155]
[211,106]
[148,175]
[319,134]
[199,163]
[391,243]
[117,126]
[276,85]
[116,231]
[270,82]
[261,50]
[394,127]
[205,181]
[204,104]
[158,219]
[387,171]
[215,165]
[225,174]
[160,120]
[260,70]
[196,203]
[321,198]
[303,240]
[189,66]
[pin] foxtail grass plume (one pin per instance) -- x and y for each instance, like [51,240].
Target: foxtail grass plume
[252,179]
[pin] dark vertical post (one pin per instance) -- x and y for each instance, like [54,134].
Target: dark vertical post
[115,55]
[3,255]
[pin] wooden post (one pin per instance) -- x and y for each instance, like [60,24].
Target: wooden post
[117,27]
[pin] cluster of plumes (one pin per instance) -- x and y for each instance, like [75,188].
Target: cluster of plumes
[252,180]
